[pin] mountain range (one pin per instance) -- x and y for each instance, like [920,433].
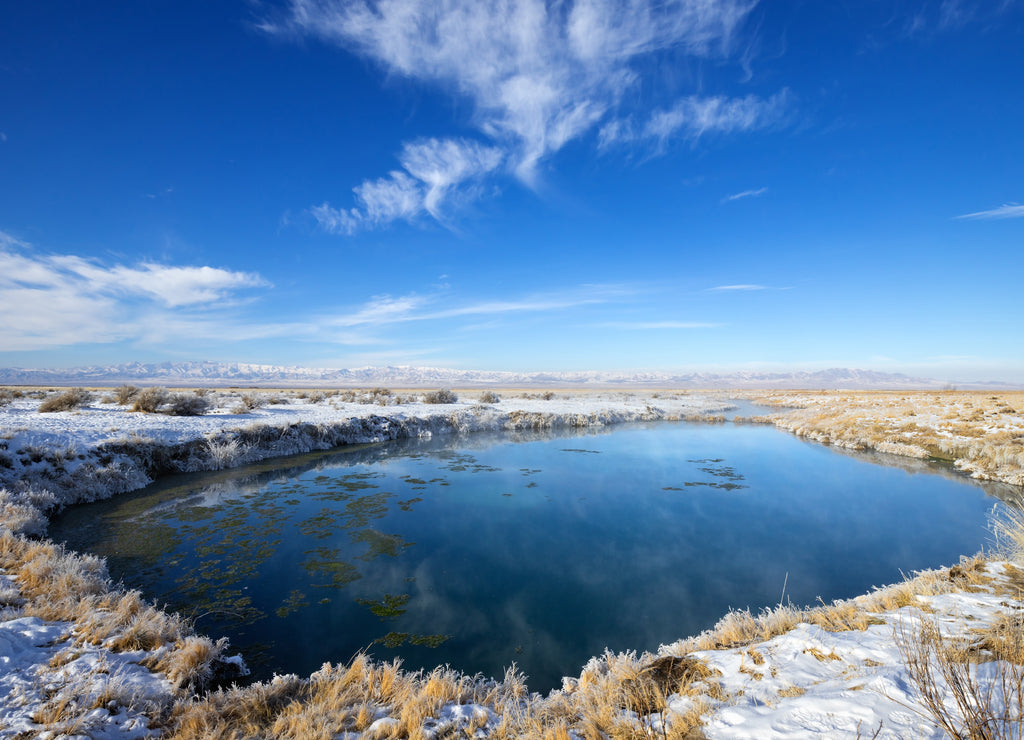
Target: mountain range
[246,374]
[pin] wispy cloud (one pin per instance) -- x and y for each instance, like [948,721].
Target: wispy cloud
[54,300]
[745,194]
[742,286]
[432,169]
[537,74]
[382,310]
[649,325]
[937,16]
[694,116]
[1007,210]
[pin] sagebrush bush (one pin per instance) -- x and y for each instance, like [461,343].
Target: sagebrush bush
[149,400]
[444,395]
[185,404]
[7,395]
[489,397]
[125,394]
[250,402]
[70,399]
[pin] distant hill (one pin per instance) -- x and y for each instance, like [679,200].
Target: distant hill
[245,374]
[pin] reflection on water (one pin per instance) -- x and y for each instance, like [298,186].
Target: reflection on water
[540,549]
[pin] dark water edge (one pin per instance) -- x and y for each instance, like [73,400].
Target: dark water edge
[536,548]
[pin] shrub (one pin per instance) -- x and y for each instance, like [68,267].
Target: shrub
[249,402]
[7,395]
[183,404]
[489,397]
[149,400]
[444,395]
[70,399]
[125,394]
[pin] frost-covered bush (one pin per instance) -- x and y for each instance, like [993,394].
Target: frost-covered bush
[444,395]
[125,394]
[249,402]
[149,400]
[7,395]
[69,400]
[489,397]
[185,404]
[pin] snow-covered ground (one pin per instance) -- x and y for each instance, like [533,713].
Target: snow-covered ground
[806,682]
[813,683]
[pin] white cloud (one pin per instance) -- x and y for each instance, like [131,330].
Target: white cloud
[745,194]
[57,300]
[382,310]
[648,325]
[537,74]
[695,116]
[944,16]
[1007,210]
[443,164]
[435,165]
[745,286]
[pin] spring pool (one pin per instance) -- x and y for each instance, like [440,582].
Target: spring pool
[537,549]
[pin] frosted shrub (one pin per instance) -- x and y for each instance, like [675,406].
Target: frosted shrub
[224,453]
[444,395]
[183,404]
[249,402]
[125,394]
[149,400]
[489,397]
[67,401]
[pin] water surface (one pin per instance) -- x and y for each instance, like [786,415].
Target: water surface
[541,550]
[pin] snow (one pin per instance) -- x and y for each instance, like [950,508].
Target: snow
[100,422]
[83,674]
[854,683]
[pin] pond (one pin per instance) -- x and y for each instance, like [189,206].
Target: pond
[541,550]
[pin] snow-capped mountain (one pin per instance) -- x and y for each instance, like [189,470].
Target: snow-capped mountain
[246,374]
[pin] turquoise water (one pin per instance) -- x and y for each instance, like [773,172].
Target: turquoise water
[482,551]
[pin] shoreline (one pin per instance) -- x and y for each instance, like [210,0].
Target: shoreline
[105,462]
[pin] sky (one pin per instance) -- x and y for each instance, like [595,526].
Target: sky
[684,185]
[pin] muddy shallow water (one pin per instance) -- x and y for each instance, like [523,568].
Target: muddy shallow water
[542,550]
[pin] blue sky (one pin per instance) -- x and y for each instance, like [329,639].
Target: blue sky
[519,185]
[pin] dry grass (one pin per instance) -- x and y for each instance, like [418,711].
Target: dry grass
[981,433]
[617,696]
[958,696]
[58,585]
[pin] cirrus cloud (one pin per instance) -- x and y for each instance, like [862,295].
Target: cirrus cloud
[1007,210]
[537,75]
